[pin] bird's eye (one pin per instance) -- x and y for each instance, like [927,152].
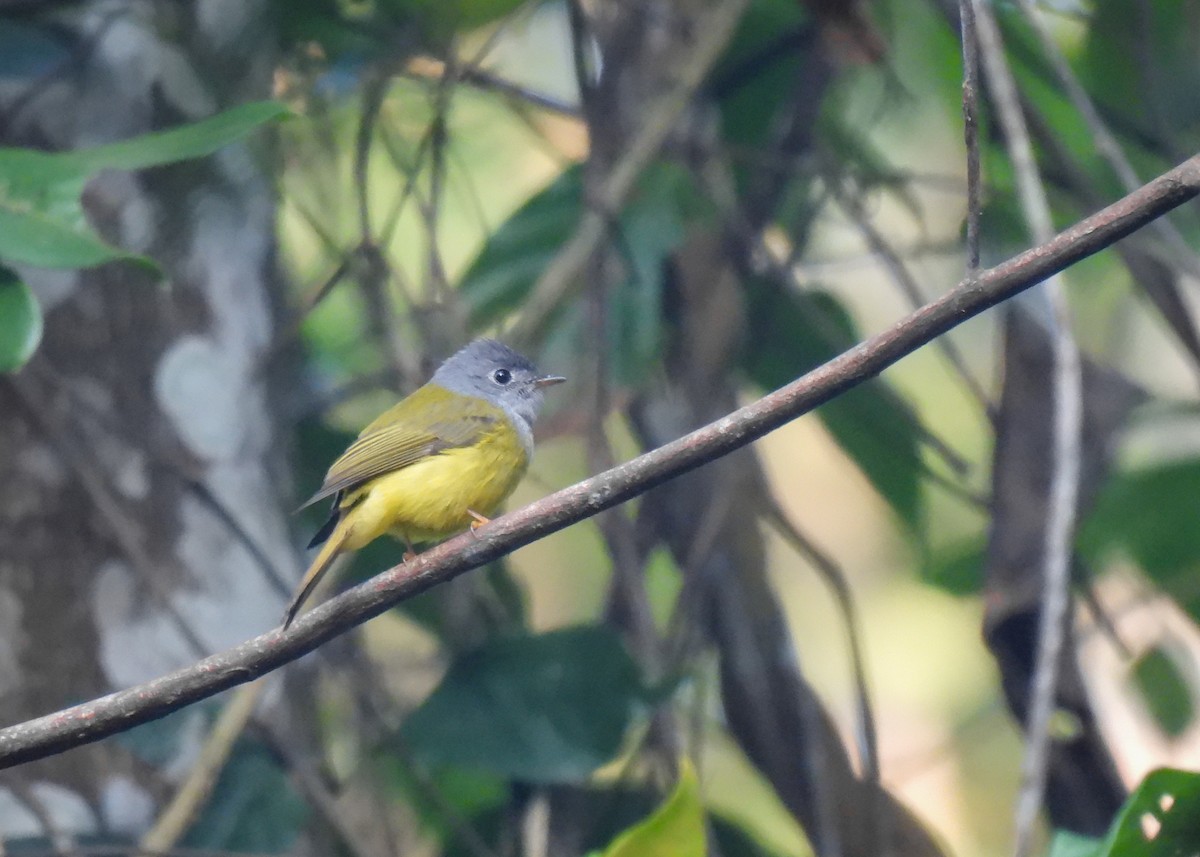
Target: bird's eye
[502,376]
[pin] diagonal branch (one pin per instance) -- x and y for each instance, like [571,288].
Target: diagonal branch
[120,711]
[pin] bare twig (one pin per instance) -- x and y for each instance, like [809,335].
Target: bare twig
[970,109]
[431,204]
[835,578]
[374,91]
[1068,426]
[122,710]
[425,67]
[291,328]
[280,583]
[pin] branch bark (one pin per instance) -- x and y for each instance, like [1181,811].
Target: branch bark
[120,711]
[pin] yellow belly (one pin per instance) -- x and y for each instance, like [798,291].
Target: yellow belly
[431,498]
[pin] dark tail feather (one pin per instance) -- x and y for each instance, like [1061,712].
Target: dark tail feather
[327,528]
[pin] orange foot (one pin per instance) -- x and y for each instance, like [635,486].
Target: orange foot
[479,521]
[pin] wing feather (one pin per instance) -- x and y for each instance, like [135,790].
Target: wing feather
[396,440]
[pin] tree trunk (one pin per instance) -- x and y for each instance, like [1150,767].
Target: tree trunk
[140,516]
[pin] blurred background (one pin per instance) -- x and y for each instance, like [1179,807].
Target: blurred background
[819,645]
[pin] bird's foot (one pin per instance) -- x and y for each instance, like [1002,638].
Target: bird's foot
[479,521]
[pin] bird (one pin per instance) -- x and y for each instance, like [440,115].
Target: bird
[438,462]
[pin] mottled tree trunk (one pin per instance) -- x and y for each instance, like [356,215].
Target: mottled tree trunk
[140,516]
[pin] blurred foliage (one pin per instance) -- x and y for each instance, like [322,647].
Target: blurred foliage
[516,709]
[462,190]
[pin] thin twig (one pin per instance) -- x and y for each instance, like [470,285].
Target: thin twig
[970,110]
[836,579]
[122,710]
[411,172]
[281,584]
[431,208]
[424,68]
[1067,388]
[374,91]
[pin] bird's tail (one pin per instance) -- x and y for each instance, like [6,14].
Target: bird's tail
[325,557]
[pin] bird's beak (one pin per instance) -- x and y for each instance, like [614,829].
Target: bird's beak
[548,381]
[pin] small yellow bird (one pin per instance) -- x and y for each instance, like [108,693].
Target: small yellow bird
[439,461]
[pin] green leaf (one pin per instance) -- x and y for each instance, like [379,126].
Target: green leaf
[194,140]
[546,708]
[1150,515]
[1171,799]
[1165,691]
[20,321]
[795,332]
[675,829]
[48,240]
[42,221]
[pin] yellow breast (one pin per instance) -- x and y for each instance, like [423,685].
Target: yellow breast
[430,499]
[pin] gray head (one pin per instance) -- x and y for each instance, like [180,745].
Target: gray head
[491,370]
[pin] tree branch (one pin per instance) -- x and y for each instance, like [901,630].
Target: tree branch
[120,711]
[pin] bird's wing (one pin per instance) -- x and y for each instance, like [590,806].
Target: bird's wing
[396,440]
